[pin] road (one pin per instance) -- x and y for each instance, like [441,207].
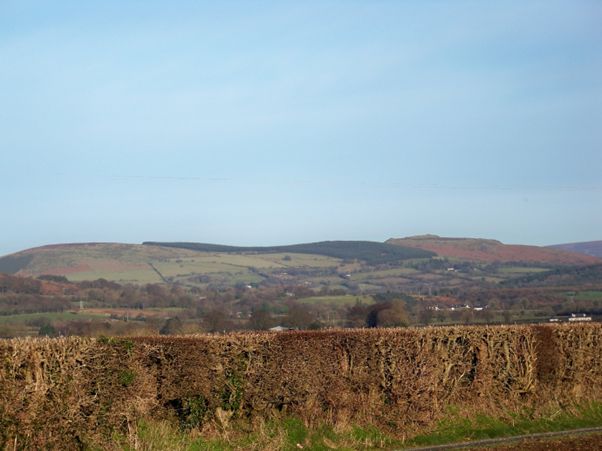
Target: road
[589,439]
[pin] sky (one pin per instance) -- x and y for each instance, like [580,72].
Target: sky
[263,123]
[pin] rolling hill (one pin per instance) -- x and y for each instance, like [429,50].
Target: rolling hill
[481,250]
[199,264]
[370,252]
[592,248]
[351,266]
[113,261]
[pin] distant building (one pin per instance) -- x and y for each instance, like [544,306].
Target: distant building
[575,317]
[278,329]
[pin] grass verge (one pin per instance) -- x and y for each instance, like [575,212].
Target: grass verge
[292,434]
[456,428]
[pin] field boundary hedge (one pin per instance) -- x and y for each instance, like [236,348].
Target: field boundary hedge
[69,392]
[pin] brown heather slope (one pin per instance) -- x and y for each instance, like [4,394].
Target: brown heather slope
[481,250]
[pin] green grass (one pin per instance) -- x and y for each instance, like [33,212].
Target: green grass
[289,433]
[285,434]
[208,263]
[367,287]
[371,275]
[133,267]
[459,429]
[134,276]
[522,270]
[203,265]
[230,269]
[588,295]
[303,260]
[239,277]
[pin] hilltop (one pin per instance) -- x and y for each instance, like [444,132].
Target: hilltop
[87,261]
[592,248]
[483,250]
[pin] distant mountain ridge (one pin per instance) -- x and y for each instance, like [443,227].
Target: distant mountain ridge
[592,248]
[485,250]
[326,262]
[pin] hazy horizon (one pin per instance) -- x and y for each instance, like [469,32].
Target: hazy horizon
[261,123]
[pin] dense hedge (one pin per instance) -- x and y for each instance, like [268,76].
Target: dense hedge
[68,392]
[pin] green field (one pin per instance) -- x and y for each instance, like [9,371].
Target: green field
[132,263]
[129,276]
[588,295]
[521,270]
[385,273]
[302,260]
[204,263]
[232,278]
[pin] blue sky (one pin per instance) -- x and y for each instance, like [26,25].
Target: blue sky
[280,122]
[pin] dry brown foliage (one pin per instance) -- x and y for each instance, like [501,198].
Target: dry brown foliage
[67,392]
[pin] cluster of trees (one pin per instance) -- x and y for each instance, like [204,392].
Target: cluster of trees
[262,316]
[295,315]
[20,285]
[14,304]
[392,313]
